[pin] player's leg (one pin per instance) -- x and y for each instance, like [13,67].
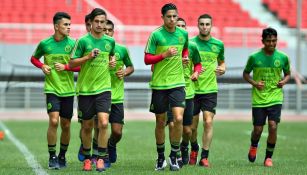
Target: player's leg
[95,141]
[117,122]
[66,113]
[159,105]
[177,102]
[87,111]
[274,113]
[187,131]
[194,126]
[259,118]
[208,105]
[53,109]
[103,108]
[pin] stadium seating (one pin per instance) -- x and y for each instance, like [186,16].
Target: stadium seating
[286,11]
[226,14]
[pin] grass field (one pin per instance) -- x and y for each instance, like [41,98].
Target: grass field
[136,151]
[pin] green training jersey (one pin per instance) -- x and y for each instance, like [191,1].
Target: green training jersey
[268,69]
[168,73]
[122,59]
[211,52]
[60,83]
[94,76]
[189,69]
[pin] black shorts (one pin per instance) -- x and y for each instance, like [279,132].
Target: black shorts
[117,113]
[161,100]
[187,115]
[205,102]
[261,113]
[90,105]
[63,105]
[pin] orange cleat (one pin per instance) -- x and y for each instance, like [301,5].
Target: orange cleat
[100,165]
[268,162]
[204,162]
[252,154]
[193,157]
[87,165]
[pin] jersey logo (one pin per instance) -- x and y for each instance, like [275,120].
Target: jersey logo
[258,63]
[67,48]
[107,47]
[49,106]
[181,40]
[277,63]
[79,113]
[214,48]
[163,41]
[89,47]
[49,48]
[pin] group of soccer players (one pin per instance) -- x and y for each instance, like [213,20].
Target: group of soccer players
[183,83]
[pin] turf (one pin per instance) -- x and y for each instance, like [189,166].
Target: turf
[137,151]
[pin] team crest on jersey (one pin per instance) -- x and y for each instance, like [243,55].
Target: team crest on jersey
[67,48]
[277,63]
[107,47]
[49,48]
[214,48]
[49,106]
[181,40]
[258,63]
[89,47]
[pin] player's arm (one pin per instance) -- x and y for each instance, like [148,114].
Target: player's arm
[37,63]
[75,62]
[61,67]
[285,80]
[153,59]
[221,68]
[129,66]
[259,85]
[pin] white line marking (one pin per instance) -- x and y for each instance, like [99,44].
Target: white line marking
[37,168]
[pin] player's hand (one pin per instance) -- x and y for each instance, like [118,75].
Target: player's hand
[194,76]
[59,66]
[171,51]
[220,70]
[202,69]
[281,84]
[185,61]
[120,73]
[46,69]
[112,62]
[260,85]
[94,53]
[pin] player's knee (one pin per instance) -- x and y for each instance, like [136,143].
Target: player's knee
[178,120]
[117,133]
[103,124]
[160,123]
[272,127]
[208,123]
[187,131]
[54,123]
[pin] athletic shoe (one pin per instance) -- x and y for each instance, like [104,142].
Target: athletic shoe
[53,163]
[204,162]
[173,164]
[185,155]
[100,165]
[252,154]
[161,164]
[81,156]
[62,161]
[112,153]
[193,157]
[87,165]
[180,163]
[107,163]
[94,159]
[268,162]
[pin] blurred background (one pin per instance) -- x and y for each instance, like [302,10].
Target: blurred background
[238,23]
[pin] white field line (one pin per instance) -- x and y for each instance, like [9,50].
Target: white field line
[37,168]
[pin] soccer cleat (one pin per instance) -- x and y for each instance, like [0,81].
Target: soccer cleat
[184,155]
[62,161]
[193,157]
[252,154]
[180,163]
[112,153]
[268,162]
[81,156]
[100,165]
[94,159]
[204,162]
[87,165]
[53,163]
[161,164]
[173,164]
[107,163]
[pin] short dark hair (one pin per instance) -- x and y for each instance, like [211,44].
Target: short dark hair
[167,7]
[87,17]
[205,16]
[59,15]
[268,32]
[95,12]
[181,19]
[109,22]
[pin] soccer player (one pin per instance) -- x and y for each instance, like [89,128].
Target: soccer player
[191,72]
[117,84]
[267,65]
[205,100]
[59,85]
[165,48]
[92,52]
